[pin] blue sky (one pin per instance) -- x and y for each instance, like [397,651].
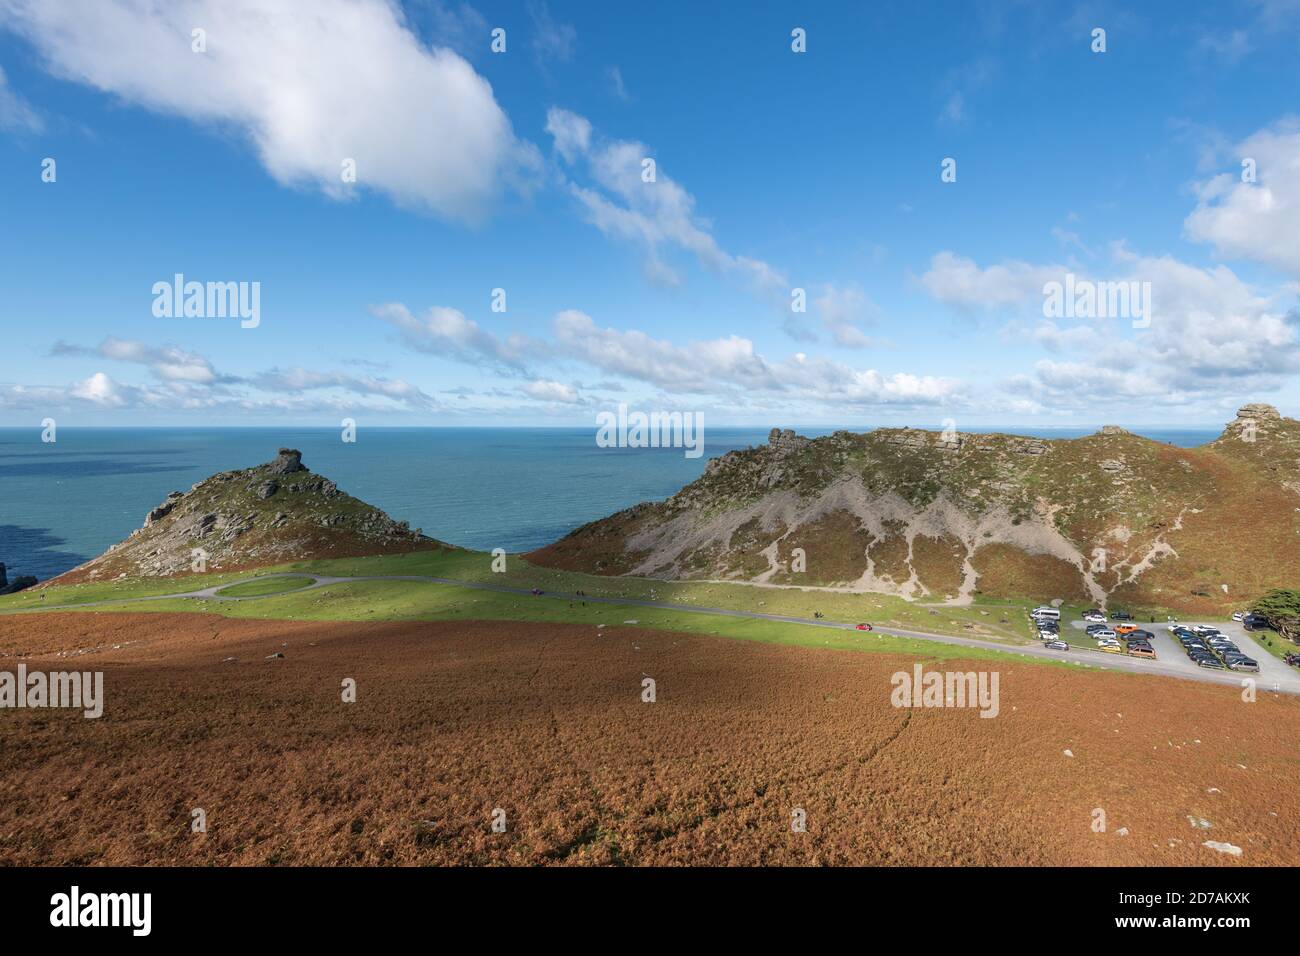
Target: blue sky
[522,171]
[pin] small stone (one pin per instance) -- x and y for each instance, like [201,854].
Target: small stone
[1223,847]
[1068,753]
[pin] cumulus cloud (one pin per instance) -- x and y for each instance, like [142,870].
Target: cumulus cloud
[188,380]
[959,282]
[696,367]
[305,380]
[348,81]
[545,390]
[1259,220]
[659,216]
[168,362]
[446,331]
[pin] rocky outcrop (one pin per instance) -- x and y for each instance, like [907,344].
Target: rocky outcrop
[20,583]
[287,462]
[272,513]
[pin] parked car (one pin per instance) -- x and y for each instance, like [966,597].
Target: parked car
[1238,616]
[1110,649]
[1212,663]
[1121,616]
[863,627]
[1094,617]
[1107,635]
[1125,628]
[1057,645]
[1244,664]
[1140,652]
[1144,635]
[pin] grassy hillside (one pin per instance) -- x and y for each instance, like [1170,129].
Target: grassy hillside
[1111,517]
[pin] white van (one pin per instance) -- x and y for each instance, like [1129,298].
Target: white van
[1051,613]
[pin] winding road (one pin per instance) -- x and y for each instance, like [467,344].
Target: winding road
[1285,681]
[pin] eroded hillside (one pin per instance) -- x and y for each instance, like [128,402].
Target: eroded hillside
[1111,518]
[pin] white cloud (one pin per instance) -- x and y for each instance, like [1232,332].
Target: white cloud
[617,85]
[15,112]
[571,133]
[659,216]
[348,81]
[545,390]
[1260,220]
[304,380]
[842,309]
[446,331]
[696,367]
[168,362]
[99,389]
[552,41]
[959,282]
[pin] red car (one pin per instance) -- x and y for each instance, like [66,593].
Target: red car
[864,627]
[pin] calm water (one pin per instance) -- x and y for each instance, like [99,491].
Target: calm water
[63,503]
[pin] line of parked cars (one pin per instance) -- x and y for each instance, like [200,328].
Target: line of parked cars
[1116,638]
[1048,622]
[1210,648]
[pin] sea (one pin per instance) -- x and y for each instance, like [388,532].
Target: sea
[65,502]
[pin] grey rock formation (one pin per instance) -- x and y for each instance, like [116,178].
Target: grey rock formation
[287,462]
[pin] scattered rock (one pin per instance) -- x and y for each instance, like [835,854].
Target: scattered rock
[1200,823]
[1223,847]
[1068,753]
[277,656]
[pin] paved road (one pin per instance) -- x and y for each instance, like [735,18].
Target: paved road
[1281,678]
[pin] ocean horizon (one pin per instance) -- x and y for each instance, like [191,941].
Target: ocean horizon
[478,487]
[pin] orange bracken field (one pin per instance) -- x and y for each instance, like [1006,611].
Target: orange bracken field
[546,722]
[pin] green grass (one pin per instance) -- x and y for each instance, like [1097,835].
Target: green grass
[1274,643]
[416,601]
[257,588]
[380,600]
[996,620]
